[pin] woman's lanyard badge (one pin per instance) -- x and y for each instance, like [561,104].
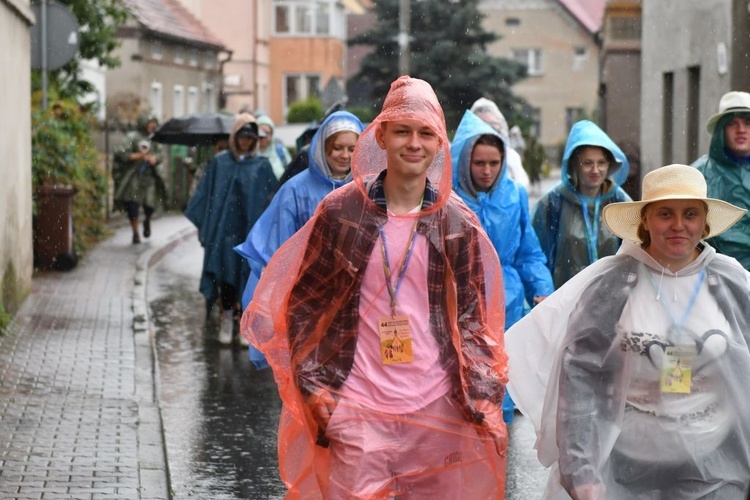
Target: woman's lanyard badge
[677,370]
[395,332]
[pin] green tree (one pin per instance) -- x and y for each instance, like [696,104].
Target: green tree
[99,21]
[447,49]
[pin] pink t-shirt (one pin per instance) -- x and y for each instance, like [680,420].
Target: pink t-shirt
[400,387]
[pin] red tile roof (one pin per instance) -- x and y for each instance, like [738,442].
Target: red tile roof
[170,18]
[588,12]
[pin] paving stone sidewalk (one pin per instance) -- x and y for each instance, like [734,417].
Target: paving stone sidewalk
[78,411]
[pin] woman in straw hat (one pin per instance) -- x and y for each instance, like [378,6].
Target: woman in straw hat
[634,373]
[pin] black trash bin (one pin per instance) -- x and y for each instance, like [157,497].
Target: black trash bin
[53,228]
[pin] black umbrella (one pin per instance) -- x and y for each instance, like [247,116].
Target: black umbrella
[195,129]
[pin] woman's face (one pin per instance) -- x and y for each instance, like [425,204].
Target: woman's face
[592,169]
[486,164]
[265,141]
[675,228]
[339,153]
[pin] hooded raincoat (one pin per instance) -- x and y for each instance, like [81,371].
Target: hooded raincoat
[567,223]
[516,170]
[292,206]
[588,365]
[276,152]
[135,181]
[503,212]
[306,316]
[228,201]
[728,179]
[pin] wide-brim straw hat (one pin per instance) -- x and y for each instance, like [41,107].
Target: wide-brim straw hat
[731,102]
[673,182]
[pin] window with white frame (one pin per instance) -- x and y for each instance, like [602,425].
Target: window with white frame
[155,100]
[322,18]
[193,61]
[309,18]
[192,100]
[178,101]
[210,60]
[300,87]
[532,58]
[208,97]
[157,49]
[579,57]
[179,55]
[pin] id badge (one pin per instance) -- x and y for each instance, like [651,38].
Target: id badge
[677,370]
[395,340]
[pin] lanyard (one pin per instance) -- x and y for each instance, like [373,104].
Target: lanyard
[691,302]
[393,290]
[592,228]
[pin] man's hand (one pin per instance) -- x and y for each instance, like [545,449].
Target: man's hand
[493,424]
[321,404]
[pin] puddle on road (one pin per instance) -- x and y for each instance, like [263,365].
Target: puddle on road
[220,414]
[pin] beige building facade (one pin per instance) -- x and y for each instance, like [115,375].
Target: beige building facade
[16,254]
[171,65]
[620,88]
[561,54]
[307,52]
[244,26]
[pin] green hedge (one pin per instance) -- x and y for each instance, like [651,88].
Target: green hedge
[305,111]
[63,152]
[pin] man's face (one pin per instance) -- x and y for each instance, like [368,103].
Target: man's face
[410,146]
[244,144]
[151,126]
[737,135]
[265,141]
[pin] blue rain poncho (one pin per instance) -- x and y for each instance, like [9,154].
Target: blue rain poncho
[504,214]
[292,206]
[228,201]
[567,223]
[728,179]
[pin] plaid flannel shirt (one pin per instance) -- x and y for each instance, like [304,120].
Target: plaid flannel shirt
[323,308]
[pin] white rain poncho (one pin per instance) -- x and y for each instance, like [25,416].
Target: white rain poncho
[587,366]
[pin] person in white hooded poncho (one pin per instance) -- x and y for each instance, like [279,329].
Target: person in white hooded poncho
[634,372]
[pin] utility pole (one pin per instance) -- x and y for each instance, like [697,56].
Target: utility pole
[404,23]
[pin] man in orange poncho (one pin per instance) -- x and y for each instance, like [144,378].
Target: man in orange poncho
[382,319]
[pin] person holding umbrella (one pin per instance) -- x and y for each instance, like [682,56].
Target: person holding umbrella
[228,201]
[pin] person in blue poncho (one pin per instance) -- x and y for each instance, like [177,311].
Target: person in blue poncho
[329,167]
[228,201]
[567,219]
[480,178]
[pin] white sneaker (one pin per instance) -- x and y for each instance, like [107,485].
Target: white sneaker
[226,325]
[242,341]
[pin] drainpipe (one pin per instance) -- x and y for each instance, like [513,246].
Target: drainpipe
[222,62]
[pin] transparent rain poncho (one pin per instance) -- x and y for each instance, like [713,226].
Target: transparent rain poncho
[567,223]
[306,317]
[597,369]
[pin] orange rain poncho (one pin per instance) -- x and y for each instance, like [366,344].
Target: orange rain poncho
[305,314]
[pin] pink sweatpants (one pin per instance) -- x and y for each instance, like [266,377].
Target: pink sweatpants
[431,453]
